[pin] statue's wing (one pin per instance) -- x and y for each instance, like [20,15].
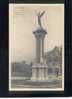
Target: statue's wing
[37,13]
[42,14]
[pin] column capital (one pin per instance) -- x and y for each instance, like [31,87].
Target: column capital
[40,31]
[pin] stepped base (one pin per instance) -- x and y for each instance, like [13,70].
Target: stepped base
[39,72]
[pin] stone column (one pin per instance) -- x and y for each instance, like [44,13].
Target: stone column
[39,69]
[37,49]
[39,35]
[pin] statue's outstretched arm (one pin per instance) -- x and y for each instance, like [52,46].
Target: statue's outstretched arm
[42,14]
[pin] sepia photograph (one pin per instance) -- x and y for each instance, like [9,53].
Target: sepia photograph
[36,47]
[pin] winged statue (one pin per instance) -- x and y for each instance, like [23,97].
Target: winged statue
[40,14]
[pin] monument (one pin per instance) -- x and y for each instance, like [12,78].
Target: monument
[39,68]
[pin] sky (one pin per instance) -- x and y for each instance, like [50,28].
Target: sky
[23,21]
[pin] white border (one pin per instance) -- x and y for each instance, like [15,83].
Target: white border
[34,89]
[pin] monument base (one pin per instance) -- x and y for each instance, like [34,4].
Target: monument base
[39,72]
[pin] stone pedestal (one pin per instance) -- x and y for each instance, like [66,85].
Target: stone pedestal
[39,72]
